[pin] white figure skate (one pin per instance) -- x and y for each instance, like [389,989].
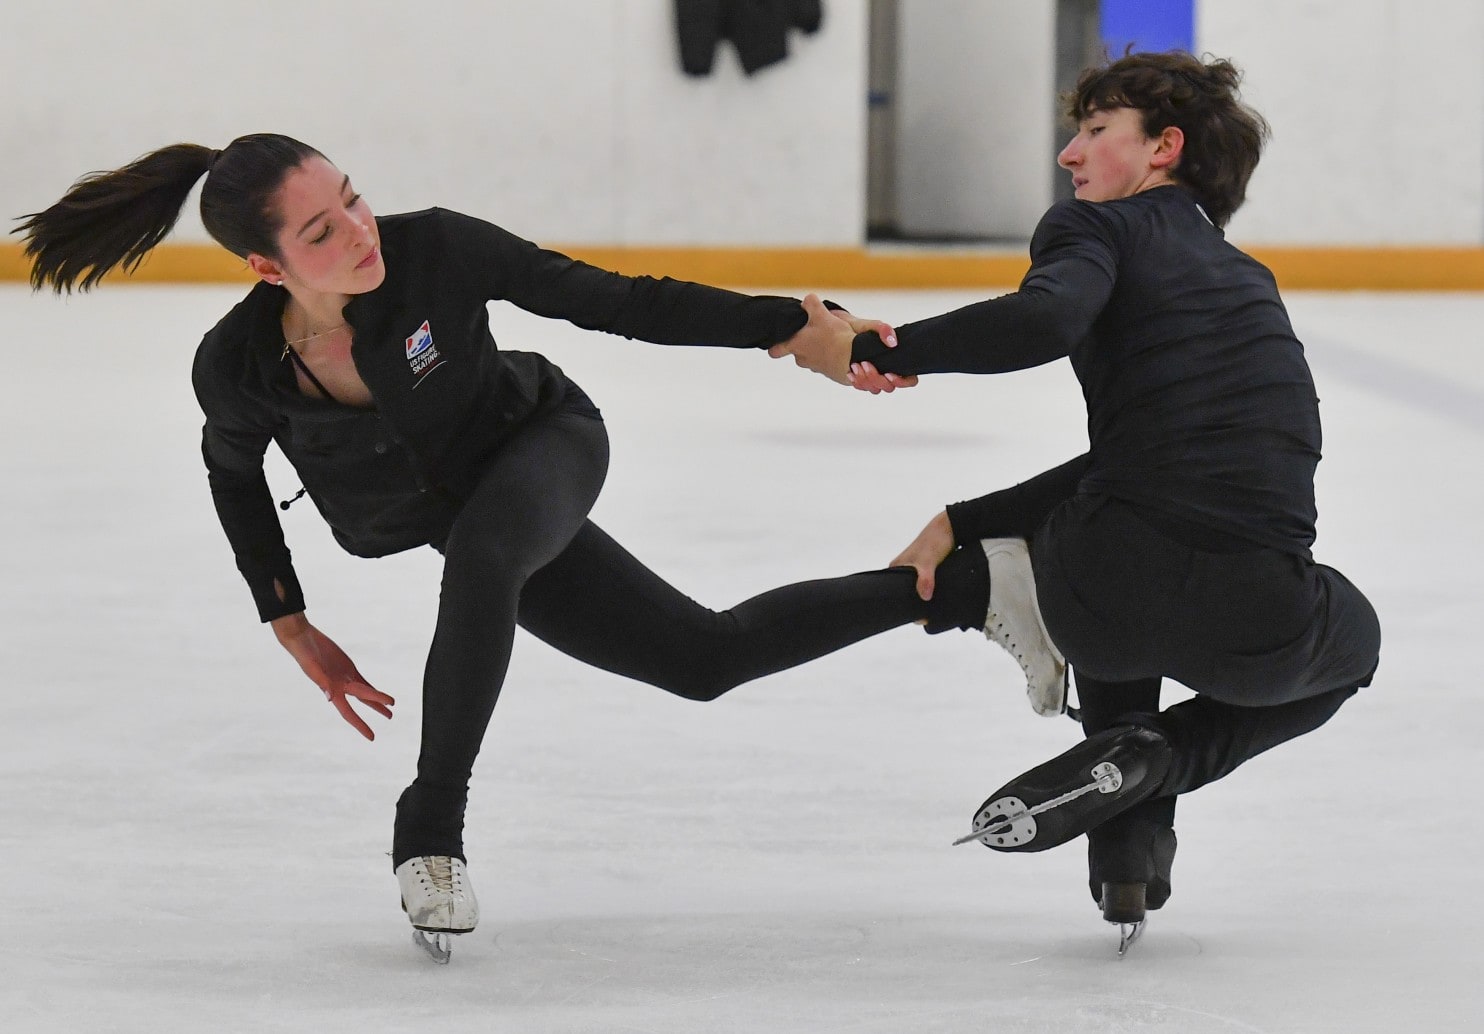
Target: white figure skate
[1014,621]
[439,900]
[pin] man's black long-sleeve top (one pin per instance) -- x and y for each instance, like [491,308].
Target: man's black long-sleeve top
[1200,405]
[387,478]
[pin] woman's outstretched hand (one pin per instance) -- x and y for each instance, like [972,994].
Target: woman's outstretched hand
[865,377]
[823,344]
[927,551]
[331,670]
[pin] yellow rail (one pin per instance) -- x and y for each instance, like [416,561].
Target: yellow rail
[1368,269]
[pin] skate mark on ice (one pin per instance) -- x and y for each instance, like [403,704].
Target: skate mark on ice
[1101,945]
[1417,389]
[1146,1006]
[827,439]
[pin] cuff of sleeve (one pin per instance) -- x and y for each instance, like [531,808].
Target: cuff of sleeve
[958,521]
[265,595]
[867,347]
[788,320]
[792,320]
[988,517]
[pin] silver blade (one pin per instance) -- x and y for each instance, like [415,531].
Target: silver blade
[437,945]
[1128,933]
[990,830]
[1105,783]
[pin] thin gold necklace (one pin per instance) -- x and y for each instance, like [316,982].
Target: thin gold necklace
[301,340]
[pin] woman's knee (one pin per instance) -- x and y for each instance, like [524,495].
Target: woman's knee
[702,692]
[703,671]
[702,683]
[487,561]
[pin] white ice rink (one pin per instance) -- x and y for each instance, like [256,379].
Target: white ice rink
[192,841]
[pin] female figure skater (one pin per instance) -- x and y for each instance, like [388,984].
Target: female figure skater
[1179,544]
[365,353]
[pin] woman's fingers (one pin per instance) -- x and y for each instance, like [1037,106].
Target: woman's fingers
[378,701]
[371,697]
[925,582]
[865,377]
[348,713]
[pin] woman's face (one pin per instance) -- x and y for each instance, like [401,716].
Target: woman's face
[1110,157]
[328,241]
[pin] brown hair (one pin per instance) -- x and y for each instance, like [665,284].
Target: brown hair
[1223,137]
[114,218]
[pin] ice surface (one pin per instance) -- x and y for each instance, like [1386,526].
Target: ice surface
[191,840]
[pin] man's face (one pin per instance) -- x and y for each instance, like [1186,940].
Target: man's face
[1111,158]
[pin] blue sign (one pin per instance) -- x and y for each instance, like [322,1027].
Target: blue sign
[1150,25]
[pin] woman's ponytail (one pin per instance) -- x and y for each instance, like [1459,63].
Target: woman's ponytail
[111,219]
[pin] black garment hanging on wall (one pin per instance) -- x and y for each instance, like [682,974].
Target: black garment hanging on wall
[757,28]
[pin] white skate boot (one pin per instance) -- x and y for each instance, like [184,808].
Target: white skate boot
[439,900]
[1014,621]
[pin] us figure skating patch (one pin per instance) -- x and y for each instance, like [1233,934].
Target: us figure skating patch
[422,354]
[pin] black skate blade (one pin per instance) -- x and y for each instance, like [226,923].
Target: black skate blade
[1128,933]
[439,946]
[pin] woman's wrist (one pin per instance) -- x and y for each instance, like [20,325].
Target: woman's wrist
[289,626]
[944,524]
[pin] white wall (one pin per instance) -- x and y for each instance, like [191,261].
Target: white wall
[975,114]
[570,121]
[1377,109]
[567,120]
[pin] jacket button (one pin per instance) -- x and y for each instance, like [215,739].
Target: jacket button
[381,448]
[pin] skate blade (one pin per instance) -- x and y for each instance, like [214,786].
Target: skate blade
[1128,933]
[439,946]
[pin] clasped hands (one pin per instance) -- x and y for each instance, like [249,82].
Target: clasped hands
[824,344]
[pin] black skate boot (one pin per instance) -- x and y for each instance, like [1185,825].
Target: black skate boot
[1128,872]
[1131,877]
[1102,776]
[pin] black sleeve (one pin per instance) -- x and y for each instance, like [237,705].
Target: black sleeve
[500,265]
[698,28]
[1073,268]
[233,444]
[1016,512]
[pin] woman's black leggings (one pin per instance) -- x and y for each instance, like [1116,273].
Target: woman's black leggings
[523,551]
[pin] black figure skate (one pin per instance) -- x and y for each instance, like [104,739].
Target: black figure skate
[1065,797]
[1129,875]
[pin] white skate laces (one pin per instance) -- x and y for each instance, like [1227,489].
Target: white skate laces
[438,899]
[1014,621]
